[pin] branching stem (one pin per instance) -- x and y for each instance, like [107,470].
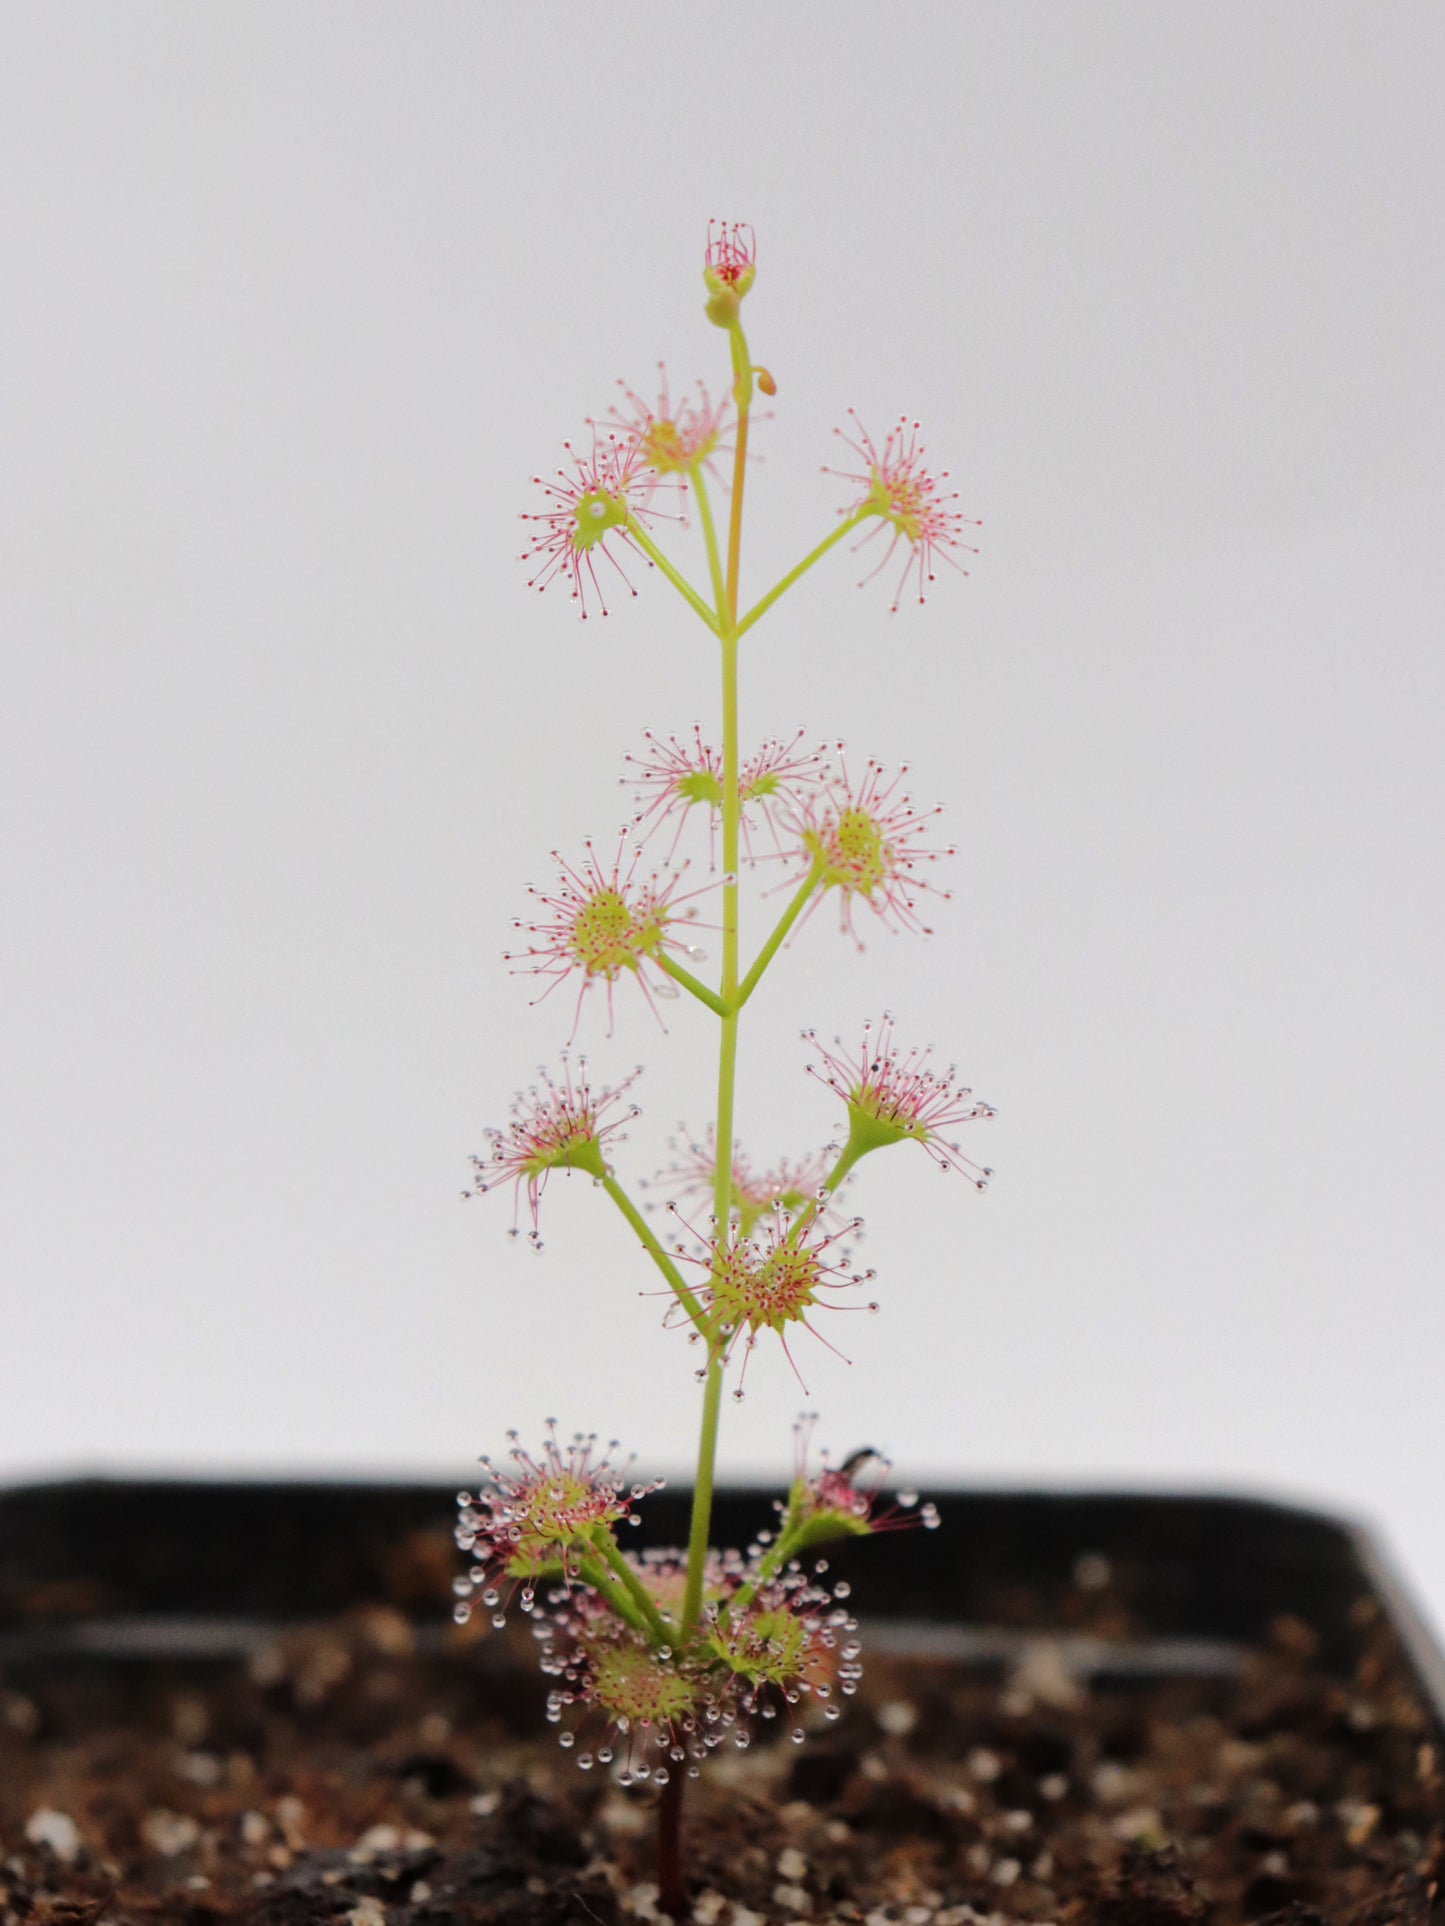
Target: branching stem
[594,1573]
[727,612]
[709,536]
[785,922]
[638,534]
[849,1156]
[659,1256]
[637,1592]
[690,983]
[845,527]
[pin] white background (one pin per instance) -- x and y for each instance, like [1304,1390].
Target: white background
[298,297]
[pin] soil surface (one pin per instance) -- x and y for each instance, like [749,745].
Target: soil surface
[359,1771]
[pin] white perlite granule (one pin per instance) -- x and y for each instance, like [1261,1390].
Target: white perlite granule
[380,1839]
[169,1833]
[47,1827]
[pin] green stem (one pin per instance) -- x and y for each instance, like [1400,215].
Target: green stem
[770,949]
[689,982]
[772,1560]
[848,1156]
[638,1592]
[709,535]
[655,1251]
[700,1528]
[845,527]
[596,1574]
[851,1152]
[699,1531]
[637,533]
[743,397]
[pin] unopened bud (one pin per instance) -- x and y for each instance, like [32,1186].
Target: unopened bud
[728,270]
[765,381]
[722,303]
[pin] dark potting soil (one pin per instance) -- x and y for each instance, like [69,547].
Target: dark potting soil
[363,1771]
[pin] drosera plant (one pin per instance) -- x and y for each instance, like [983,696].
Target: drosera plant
[657,1659]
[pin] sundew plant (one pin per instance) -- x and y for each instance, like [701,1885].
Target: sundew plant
[657,1659]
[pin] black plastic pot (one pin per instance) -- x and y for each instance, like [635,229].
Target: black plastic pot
[174,1568]
[106,1573]
[110,1567]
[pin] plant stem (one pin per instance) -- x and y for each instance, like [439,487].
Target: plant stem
[849,1156]
[770,949]
[700,1527]
[776,1556]
[690,983]
[594,1573]
[638,1592]
[743,397]
[638,534]
[845,527]
[671,1893]
[699,1532]
[709,535]
[654,1250]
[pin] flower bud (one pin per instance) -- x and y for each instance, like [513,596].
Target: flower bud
[722,306]
[729,268]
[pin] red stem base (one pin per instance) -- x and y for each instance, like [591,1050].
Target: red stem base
[671,1893]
